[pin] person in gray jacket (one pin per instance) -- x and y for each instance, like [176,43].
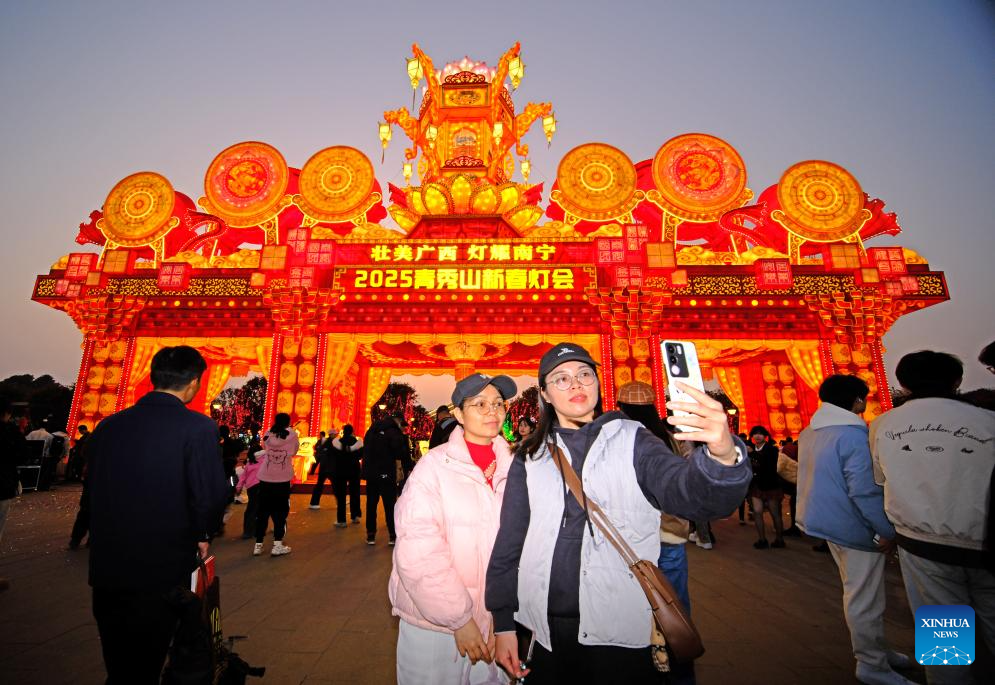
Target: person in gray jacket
[839,502]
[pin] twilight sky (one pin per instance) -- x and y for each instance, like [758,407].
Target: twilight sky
[902,94]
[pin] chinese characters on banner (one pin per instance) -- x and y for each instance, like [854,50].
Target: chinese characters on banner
[495,276]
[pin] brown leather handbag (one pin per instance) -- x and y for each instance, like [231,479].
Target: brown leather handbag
[673,629]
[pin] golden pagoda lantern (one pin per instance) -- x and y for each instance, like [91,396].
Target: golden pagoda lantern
[407,169]
[549,127]
[526,169]
[516,70]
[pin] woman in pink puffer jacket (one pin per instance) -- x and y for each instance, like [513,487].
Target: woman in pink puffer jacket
[446,521]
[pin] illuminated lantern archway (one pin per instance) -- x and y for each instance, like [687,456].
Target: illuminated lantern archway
[289,273]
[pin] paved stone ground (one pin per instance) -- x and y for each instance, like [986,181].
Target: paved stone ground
[320,615]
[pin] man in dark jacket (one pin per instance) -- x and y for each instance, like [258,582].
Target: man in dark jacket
[157,491]
[444,425]
[12,449]
[385,444]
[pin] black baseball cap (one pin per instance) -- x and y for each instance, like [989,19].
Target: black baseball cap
[564,352]
[474,383]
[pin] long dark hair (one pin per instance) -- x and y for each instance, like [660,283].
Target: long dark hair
[647,415]
[543,433]
[281,423]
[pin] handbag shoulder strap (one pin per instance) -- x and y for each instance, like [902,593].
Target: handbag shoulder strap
[595,512]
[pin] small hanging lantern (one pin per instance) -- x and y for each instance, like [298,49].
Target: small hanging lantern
[431,133]
[516,70]
[385,134]
[415,72]
[526,169]
[407,169]
[549,127]
[498,133]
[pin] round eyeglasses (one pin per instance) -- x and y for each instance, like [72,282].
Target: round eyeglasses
[483,407]
[564,381]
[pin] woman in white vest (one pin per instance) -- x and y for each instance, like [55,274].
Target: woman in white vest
[551,570]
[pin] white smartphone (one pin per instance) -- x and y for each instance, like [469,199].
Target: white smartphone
[680,360]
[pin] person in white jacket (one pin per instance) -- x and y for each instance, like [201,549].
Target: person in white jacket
[934,456]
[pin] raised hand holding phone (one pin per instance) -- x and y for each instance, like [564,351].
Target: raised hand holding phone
[697,416]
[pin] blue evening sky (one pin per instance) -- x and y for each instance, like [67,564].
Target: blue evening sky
[901,94]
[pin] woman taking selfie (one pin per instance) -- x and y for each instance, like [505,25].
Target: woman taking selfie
[552,570]
[446,520]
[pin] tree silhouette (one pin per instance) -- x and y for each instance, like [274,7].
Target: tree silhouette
[42,398]
[241,408]
[402,398]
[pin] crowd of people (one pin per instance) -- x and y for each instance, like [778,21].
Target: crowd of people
[498,572]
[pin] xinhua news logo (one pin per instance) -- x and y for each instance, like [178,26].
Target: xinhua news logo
[945,635]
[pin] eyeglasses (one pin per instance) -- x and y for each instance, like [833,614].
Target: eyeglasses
[483,407]
[564,381]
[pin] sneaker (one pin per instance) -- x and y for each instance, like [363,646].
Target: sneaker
[793,531]
[779,544]
[742,522]
[704,545]
[899,660]
[279,549]
[761,544]
[692,536]
[257,549]
[341,524]
[873,676]
[315,506]
[392,541]
[356,519]
[371,541]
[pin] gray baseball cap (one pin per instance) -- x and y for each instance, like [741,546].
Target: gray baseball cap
[474,383]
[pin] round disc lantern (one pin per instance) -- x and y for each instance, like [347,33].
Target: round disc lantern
[699,177]
[820,201]
[139,210]
[596,182]
[336,185]
[246,184]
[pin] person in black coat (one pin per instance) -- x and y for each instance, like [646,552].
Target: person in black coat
[765,488]
[323,465]
[344,454]
[157,492]
[12,449]
[386,444]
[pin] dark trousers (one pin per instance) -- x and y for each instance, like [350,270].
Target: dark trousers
[572,662]
[81,526]
[135,631]
[319,487]
[251,512]
[791,490]
[344,485]
[380,488]
[274,503]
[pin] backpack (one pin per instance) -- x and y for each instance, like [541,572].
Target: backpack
[57,446]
